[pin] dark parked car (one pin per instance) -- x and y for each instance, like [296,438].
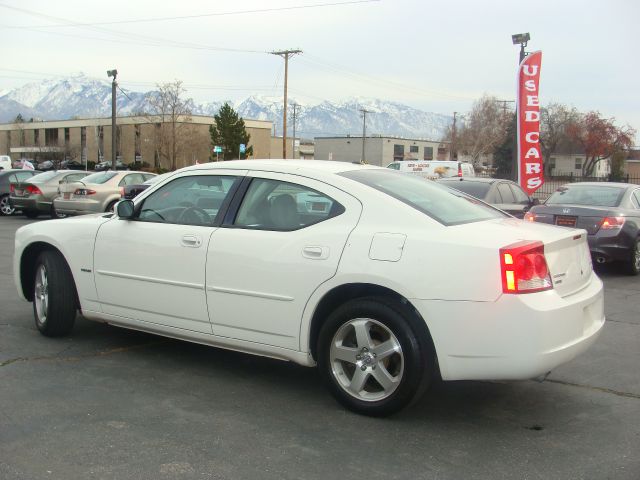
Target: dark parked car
[7,177]
[506,195]
[608,211]
[72,165]
[106,165]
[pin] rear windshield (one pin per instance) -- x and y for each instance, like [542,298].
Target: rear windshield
[100,177]
[592,195]
[475,189]
[445,205]
[43,177]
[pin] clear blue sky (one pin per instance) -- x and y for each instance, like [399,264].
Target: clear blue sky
[434,55]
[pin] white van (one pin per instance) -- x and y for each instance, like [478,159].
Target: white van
[5,162]
[434,169]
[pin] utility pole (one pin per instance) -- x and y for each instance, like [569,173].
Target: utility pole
[453,138]
[364,131]
[285,54]
[293,144]
[113,73]
[504,105]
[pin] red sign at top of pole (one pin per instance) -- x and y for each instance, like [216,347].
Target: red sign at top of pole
[530,167]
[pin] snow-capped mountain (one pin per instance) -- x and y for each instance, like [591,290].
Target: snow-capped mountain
[81,96]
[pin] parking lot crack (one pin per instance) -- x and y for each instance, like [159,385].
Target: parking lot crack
[75,358]
[596,389]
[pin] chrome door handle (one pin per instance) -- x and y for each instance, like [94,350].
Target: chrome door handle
[191,241]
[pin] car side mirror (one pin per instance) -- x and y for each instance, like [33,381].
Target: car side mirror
[125,209]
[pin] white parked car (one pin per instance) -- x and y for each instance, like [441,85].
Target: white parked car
[398,281]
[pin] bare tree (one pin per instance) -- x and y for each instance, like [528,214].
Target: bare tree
[554,120]
[171,113]
[484,128]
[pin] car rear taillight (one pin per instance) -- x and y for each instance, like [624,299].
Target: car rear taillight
[12,188]
[459,169]
[84,191]
[530,217]
[611,223]
[33,190]
[523,268]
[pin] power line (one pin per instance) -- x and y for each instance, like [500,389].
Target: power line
[186,17]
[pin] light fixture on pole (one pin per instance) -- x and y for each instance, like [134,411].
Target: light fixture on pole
[113,73]
[522,39]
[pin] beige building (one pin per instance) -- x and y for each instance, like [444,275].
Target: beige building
[296,148]
[379,150]
[140,138]
[573,163]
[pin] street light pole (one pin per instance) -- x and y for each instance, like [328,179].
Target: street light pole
[113,73]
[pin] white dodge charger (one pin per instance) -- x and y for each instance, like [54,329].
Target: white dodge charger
[381,279]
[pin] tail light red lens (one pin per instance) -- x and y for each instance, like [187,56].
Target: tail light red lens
[524,268]
[33,190]
[530,217]
[12,188]
[611,223]
[84,191]
[459,169]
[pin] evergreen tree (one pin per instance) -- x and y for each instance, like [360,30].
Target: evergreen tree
[229,132]
[504,153]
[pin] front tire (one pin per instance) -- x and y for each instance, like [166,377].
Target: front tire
[5,206]
[54,295]
[111,208]
[375,356]
[31,213]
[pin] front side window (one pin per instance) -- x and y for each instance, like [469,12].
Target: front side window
[283,206]
[506,193]
[445,205]
[192,200]
[636,198]
[521,197]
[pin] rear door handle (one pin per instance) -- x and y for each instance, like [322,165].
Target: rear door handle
[315,253]
[192,241]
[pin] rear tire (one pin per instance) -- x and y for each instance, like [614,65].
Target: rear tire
[55,213]
[54,295]
[632,266]
[5,206]
[375,356]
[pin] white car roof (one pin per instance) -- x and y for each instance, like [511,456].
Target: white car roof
[312,167]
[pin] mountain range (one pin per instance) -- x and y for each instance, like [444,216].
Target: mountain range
[79,96]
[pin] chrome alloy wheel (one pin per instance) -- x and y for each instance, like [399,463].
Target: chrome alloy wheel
[366,359]
[41,294]
[5,206]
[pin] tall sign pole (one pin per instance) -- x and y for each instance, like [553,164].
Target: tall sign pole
[364,131]
[530,171]
[285,54]
[113,73]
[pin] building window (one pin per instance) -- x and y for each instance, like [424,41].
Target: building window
[36,137]
[51,137]
[398,152]
[413,149]
[428,153]
[578,164]
[442,153]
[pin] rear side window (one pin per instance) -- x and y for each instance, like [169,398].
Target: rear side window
[283,206]
[43,177]
[521,197]
[506,193]
[99,178]
[444,205]
[475,189]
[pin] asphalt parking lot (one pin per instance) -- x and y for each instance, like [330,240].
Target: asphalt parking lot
[108,403]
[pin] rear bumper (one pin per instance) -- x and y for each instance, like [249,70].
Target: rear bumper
[77,207]
[516,337]
[31,204]
[610,246]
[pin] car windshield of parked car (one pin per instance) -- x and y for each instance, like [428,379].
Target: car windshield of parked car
[590,195]
[43,177]
[475,189]
[443,204]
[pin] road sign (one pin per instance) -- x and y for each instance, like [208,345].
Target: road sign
[243,148]
[217,149]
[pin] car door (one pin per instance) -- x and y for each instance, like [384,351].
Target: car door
[263,265]
[152,268]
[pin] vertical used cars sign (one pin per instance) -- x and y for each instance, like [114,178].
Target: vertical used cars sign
[530,168]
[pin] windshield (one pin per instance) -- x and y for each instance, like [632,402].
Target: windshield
[101,177]
[475,189]
[43,177]
[592,195]
[445,205]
